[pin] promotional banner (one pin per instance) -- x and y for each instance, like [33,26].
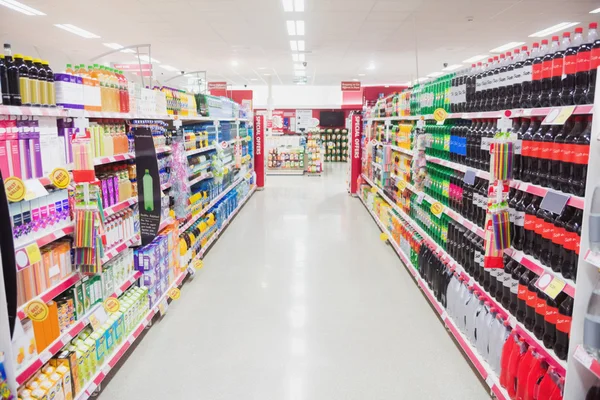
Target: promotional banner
[149,193]
[259,150]
[356,150]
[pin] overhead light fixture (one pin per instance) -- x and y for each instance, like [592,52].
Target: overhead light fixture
[299,5]
[291,27]
[596,11]
[300,28]
[294,45]
[300,73]
[20,7]
[505,47]
[253,79]
[77,31]
[300,45]
[117,46]
[262,67]
[299,66]
[409,83]
[452,67]
[435,74]
[371,66]
[355,79]
[145,58]
[421,80]
[476,58]
[554,28]
[298,57]
[234,63]
[169,68]
[266,74]
[288,5]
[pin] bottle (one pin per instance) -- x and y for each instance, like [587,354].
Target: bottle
[519,239]
[34,82]
[563,328]
[477,83]
[23,80]
[514,196]
[544,165]
[535,152]
[557,250]
[572,239]
[582,78]
[591,324]
[537,75]
[499,100]
[549,337]
[568,156]
[49,84]
[594,64]
[580,152]
[531,303]
[570,71]
[558,63]
[4,82]
[148,191]
[12,74]
[509,267]
[519,60]
[540,313]
[558,153]
[526,276]
[530,225]
[518,148]
[527,76]
[546,237]
[506,93]
[493,82]
[42,78]
[544,100]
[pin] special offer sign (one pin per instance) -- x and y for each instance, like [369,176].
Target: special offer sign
[355,164]
[259,150]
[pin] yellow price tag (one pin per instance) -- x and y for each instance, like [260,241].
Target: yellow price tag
[226,170]
[112,305]
[174,293]
[373,189]
[401,185]
[558,115]
[437,209]
[60,178]
[33,253]
[440,115]
[37,311]
[550,285]
[198,264]
[383,236]
[15,189]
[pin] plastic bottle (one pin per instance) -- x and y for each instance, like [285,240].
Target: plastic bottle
[540,314]
[517,91]
[506,92]
[570,71]
[571,245]
[12,74]
[523,370]
[42,78]
[34,82]
[568,157]
[4,82]
[550,319]
[559,151]
[591,324]
[49,84]
[558,63]
[580,151]
[594,64]
[23,80]
[523,294]
[527,76]
[582,78]
[563,328]
[531,303]
[537,75]
[547,69]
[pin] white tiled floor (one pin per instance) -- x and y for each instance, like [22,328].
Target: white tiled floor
[299,299]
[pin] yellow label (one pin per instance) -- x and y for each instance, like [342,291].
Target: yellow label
[94,322]
[174,293]
[198,264]
[112,305]
[33,253]
[558,115]
[401,185]
[440,115]
[60,178]
[437,208]
[15,189]
[554,288]
[373,189]
[37,311]
[226,170]
[383,236]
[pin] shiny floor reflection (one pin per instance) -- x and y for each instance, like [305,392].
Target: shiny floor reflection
[299,299]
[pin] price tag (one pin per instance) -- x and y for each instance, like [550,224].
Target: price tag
[440,115]
[437,209]
[554,202]
[401,185]
[60,178]
[177,123]
[198,264]
[504,124]
[34,189]
[558,115]
[15,189]
[420,197]
[550,285]
[112,305]
[33,253]
[383,236]
[174,293]
[373,189]
[163,306]
[37,311]
[98,318]
[583,357]
[469,177]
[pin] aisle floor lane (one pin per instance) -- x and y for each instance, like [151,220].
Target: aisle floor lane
[299,299]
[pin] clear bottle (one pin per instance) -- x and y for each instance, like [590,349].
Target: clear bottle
[591,324]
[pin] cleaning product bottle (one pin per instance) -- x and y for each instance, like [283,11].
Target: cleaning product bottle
[148,188]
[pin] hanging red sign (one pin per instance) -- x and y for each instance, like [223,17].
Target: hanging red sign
[350,86]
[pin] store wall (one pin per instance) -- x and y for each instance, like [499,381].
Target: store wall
[294,96]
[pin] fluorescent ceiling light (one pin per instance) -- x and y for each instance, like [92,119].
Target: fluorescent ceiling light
[298,57]
[435,74]
[148,59]
[371,66]
[20,7]
[452,67]
[234,63]
[421,80]
[300,45]
[299,66]
[294,45]
[361,74]
[475,58]
[169,68]
[596,11]
[554,28]
[299,5]
[300,73]
[77,31]
[507,46]
[117,46]
[300,28]
[266,74]
[291,28]
[288,5]
[253,79]
[354,79]
[262,67]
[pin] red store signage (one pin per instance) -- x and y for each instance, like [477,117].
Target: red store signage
[350,86]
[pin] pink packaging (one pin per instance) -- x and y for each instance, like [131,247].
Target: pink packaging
[3,152]
[12,147]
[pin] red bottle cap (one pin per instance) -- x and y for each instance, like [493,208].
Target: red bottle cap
[516,51]
[524,48]
[545,41]
[579,30]
[473,65]
[501,55]
[555,38]
[536,44]
[495,58]
[593,25]
[566,34]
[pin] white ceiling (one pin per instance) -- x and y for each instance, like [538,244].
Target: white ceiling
[342,36]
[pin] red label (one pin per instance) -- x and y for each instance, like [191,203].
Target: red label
[356,132]
[583,61]
[546,149]
[547,230]
[571,239]
[534,150]
[558,236]
[539,226]
[563,323]
[557,66]
[581,153]
[577,245]
[536,72]
[567,153]
[522,293]
[529,222]
[526,148]
[571,64]
[259,150]
[557,149]
[540,306]
[595,58]
[531,299]
[551,314]
[546,69]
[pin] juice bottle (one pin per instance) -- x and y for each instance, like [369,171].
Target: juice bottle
[42,77]
[148,191]
[114,84]
[34,82]
[23,80]
[50,83]
[103,88]
[123,93]
[95,88]
[70,70]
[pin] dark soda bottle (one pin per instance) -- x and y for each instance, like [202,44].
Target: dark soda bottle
[568,157]
[519,60]
[492,93]
[522,296]
[531,142]
[584,53]
[547,233]
[537,143]
[478,86]
[527,76]
[563,328]
[506,96]
[552,305]
[531,304]
[519,239]
[508,272]
[558,152]
[530,225]
[557,249]
[544,100]
[570,71]
[514,196]
[580,154]
[538,229]
[514,288]
[525,150]
[544,166]
[594,64]
[518,148]
[558,64]
[12,74]
[498,102]
[540,313]
[572,238]
[4,81]
[538,74]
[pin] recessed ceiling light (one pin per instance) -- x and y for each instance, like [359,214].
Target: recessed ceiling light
[596,11]
[435,74]
[507,46]
[299,5]
[234,63]
[169,68]
[20,7]
[266,74]
[114,46]
[262,67]
[554,28]
[361,74]
[452,67]
[300,28]
[300,73]
[354,79]
[77,31]
[300,45]
[371,66]
[253,79]
[299,66]
[145,58]
[288,5]
[294,45]
[291,27]
[298,57]
[475,58]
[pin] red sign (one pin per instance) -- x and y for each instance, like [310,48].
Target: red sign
[355,134]
[351,86]
[133,67]
[259,150]
[217,85]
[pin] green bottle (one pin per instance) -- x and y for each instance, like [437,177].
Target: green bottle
[148,188]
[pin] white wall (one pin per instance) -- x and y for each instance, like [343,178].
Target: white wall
[295,96]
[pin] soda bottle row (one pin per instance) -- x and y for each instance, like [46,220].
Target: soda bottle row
[550,238]
[25,81]
[436,227]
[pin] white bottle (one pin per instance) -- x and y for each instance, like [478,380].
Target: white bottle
[471,308]
[480,339]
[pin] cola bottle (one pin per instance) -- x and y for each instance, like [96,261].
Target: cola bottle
[522,296]
[498,102]
[530,225]
[518,149]
[538,74]
[528,159]
[538,230]
[544,166]
[514,288]
[558,63]
[582,78]
[470,160]
[527,76]
[557,249]
[540,313]
[544,100]
[594,64]
[509,267]
[570,71]
[535,153]
[572,237]
[531,303]
[514,196]
[470,88]
[568,156]
[506,95]
[519,238]
[478,86]
[519,60]
[483,202]
[563,328]
[486,140]
[502,279]
[579,156]
[492,97]
[558,152]
[547,233]
[552,305]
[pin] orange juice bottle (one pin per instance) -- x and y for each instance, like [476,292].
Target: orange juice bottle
[95,102]
[103,88]
[114,84]
[69,70]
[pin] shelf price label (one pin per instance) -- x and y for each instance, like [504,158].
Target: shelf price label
[550,285]
[37,311]
[383,236]
[401,185]
[198,264]
[174,293]
[373,189]
[558,115]
[112,305]
[440,115]
[60,178]
[15,189]
[437,209]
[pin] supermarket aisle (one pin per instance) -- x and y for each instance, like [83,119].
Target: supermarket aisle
[299,300]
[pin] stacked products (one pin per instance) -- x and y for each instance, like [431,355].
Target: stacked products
[286,159]
[313,153]
[336,144]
